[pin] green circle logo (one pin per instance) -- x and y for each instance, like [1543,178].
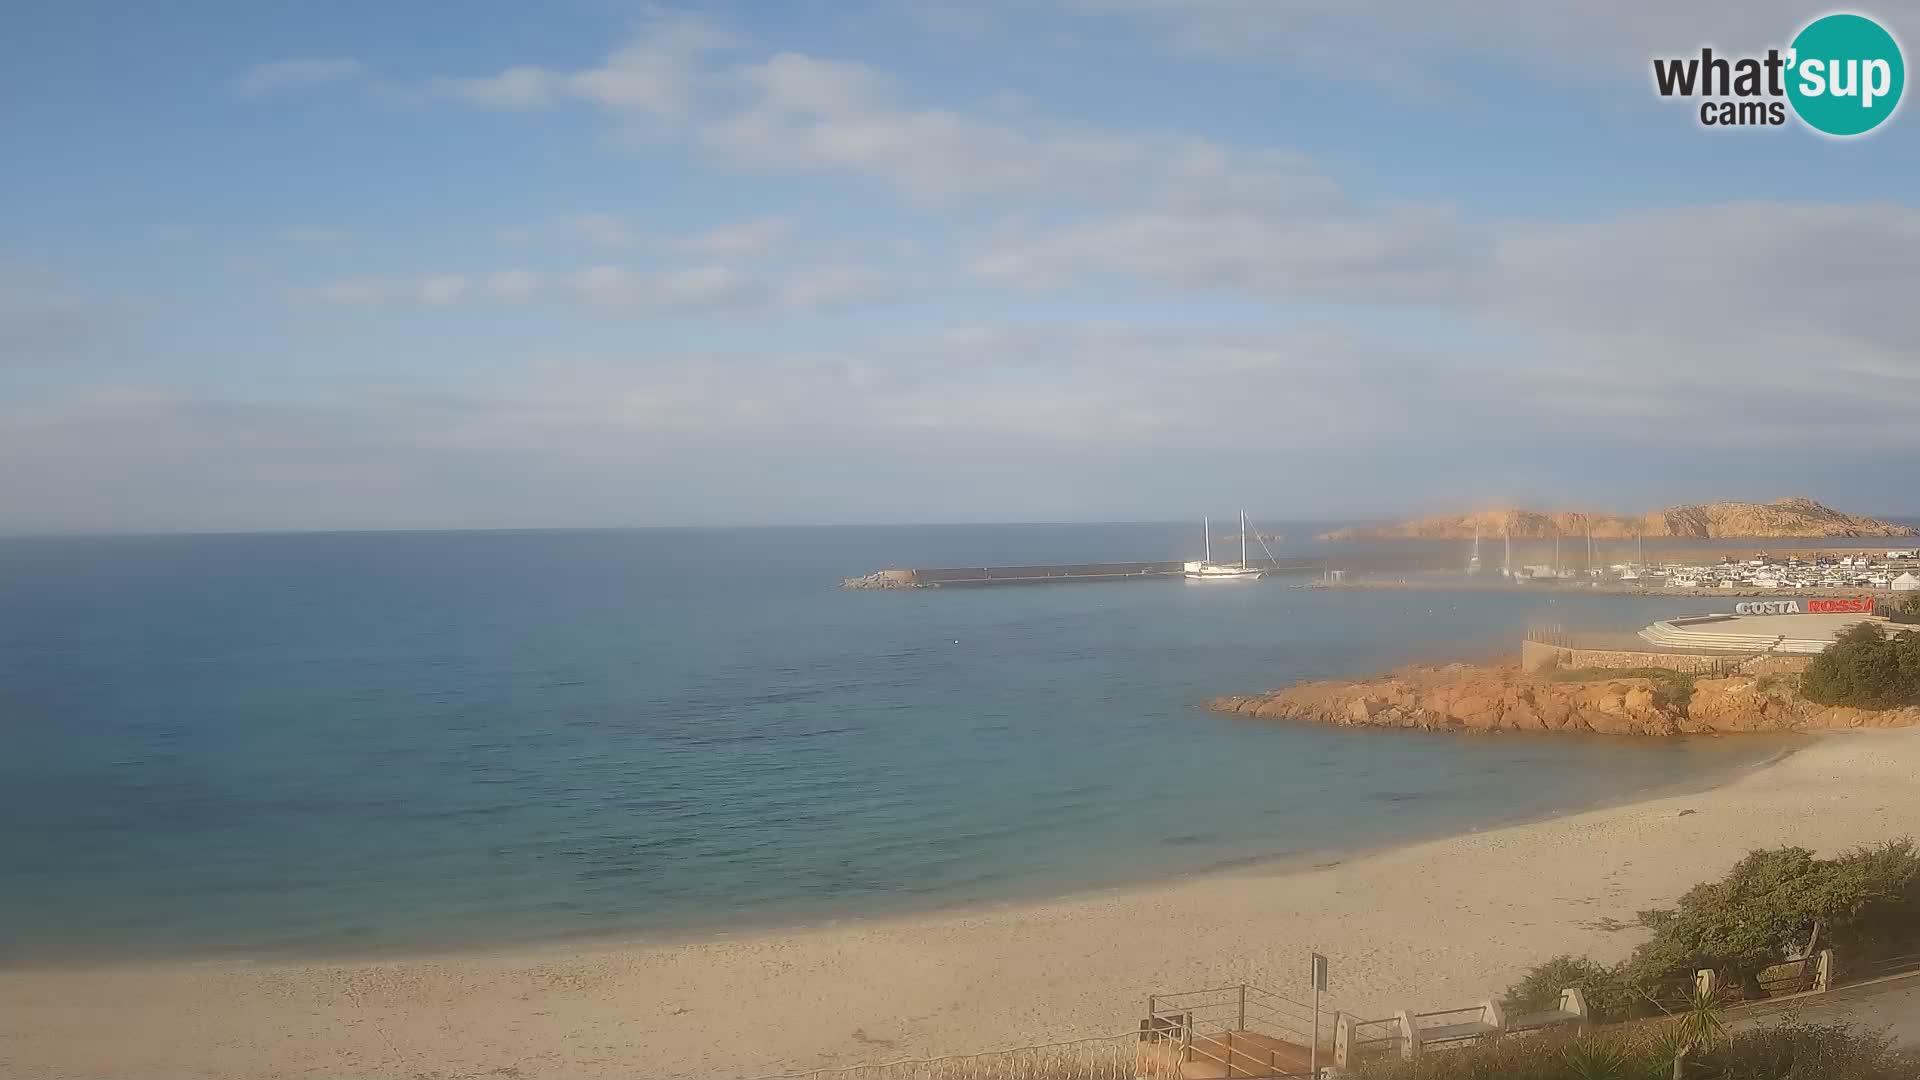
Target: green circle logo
[1845,75]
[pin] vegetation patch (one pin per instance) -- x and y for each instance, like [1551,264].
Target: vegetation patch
[1773,905]
[1643,1052]
[1866,668]
[1676,686]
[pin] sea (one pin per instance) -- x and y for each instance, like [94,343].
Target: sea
[333,744]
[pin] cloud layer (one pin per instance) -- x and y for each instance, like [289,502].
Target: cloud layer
[937,307]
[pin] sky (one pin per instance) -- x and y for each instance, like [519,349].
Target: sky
[598,263]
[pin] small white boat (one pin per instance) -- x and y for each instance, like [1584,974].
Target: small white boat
[1208,570]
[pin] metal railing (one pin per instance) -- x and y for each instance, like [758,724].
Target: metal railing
[1357,1040]
[1889,965]
[1241,1007]
[1242,1031]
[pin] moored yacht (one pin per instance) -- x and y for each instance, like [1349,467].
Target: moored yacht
[1208,570]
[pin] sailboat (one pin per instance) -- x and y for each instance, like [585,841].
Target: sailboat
[1208,570]
[1473,561]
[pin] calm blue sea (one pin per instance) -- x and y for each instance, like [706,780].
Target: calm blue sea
[329,743]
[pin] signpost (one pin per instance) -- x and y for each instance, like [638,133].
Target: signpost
[1319,985]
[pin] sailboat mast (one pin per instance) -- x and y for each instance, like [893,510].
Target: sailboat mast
[1243,539]
[1206,526]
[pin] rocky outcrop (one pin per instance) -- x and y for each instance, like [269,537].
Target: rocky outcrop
[1782,518]
[1770,703]
[1476,698]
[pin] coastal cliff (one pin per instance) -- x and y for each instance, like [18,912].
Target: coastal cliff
[1782,518]
[1497,698]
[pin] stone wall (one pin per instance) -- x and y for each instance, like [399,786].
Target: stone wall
[1538,656]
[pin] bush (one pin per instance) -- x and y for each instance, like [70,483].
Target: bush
[1865,904]
[1866,669]
[1608,998]
[1809,1051]
[1784,1052]
[1908,611]
[1767,908]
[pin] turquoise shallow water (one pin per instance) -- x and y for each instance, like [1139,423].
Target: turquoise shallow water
[334,743]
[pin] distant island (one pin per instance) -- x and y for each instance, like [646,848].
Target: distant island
[1791,517]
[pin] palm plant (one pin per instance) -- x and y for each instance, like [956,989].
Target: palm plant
[1596,1059]
[1699,1023]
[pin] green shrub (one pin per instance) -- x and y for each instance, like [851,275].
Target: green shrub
[1809,1052]
[1865,904]
[1608,998]
[1767,908]
[1908,611]
[1643,1052]
[1867,669]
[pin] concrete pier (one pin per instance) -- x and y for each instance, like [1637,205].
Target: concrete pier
[1051,573]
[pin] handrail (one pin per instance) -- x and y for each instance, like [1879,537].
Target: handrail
[1450,1012]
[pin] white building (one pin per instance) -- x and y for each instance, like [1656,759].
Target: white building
[1907,582]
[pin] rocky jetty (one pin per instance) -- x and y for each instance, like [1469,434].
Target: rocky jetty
[1500,698]
[1782,518]
[883,579]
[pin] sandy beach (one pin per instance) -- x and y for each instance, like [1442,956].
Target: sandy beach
[1432,924]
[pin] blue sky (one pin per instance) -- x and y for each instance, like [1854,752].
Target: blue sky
[602,263]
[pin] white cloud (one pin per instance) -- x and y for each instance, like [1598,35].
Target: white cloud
[619,290]
[832,286]
[656,73]
[263,80]
[513,284]
[793,112]
[968,423]
[604,230]
[628,292]
[614,231]
[756,236]
[1388,256]
[43,319]
[434,290]
[441,290]
[514,88]
[803,113]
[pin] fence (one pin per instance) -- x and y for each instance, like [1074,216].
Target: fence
[1356,1040]
[1901,964]
[1246,1032]
[1410,1034]
[1237,1031]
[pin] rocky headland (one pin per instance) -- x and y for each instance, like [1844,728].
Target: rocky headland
[1501,698]
[1782,518]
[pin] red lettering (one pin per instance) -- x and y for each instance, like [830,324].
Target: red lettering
[1857,606]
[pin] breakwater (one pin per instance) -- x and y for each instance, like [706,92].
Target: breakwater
[1052,573]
